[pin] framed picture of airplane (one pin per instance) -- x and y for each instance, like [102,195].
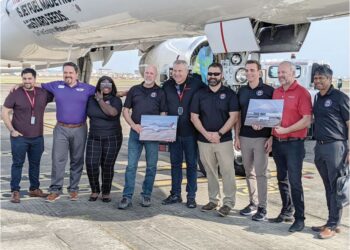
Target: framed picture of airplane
[266,113]
[158,128]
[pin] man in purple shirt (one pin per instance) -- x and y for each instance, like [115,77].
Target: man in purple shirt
[69,135]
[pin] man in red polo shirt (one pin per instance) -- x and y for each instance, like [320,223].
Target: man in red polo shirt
[288,144]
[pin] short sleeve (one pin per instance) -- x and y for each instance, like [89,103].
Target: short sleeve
[305,105]
[163,104]
[195,103]
[10,101]
[128,99]
[234,107]
[344,107]
[50,86]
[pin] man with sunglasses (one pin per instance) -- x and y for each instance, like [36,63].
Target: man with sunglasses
[179,92]
[214,111]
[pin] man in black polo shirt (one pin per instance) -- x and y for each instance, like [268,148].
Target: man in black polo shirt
[144,99]
[331,112]
[214,111]
[179,92]
[254,144]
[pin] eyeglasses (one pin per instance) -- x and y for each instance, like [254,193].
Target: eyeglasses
[214,73]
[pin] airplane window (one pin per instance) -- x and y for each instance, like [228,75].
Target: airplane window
[273,71]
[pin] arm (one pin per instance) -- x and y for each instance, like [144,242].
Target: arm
[347,160]
[301,124]
[5,114]
[106,108]
[127,117]
[237,128]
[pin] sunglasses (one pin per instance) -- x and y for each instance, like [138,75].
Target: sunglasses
[214,73]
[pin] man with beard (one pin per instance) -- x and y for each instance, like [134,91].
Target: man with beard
[214,111]
[26,130]
[288,144]
[146,98]
[69,135]
[179,92]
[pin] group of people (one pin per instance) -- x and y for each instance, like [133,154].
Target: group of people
[207,114]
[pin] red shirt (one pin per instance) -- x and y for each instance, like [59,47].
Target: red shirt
[297,103]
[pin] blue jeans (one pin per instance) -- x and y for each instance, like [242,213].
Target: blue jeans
[34,148]
[134,152]
[187,145]
[289,157]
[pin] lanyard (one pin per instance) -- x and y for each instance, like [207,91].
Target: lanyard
[32,102]
[179,91]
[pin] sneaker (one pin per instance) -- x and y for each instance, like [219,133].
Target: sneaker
[15,197]
[248,210]
[52,197]
[124,203]
[260,215]
[37,193]
[208,207]
[73,196]
[145,201]
[171,199]
[282,218]
[191,203]
[224,211]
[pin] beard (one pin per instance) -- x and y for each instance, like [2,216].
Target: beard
[28,86]
[213,82]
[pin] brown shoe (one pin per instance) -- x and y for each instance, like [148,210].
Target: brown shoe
[73,196]
[52,197]
[37,193]
[208,207]
[224,211]
[321,228]
[327,233]
[15,197]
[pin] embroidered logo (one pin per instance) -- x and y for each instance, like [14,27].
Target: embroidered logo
[328,103]
[222,96]
[61,86]
[259,93]
[108,102]
[80,89]
[153,94]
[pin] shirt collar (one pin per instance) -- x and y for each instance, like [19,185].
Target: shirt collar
[260,85]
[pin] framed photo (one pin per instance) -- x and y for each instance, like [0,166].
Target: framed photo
[264,112]
[158,128]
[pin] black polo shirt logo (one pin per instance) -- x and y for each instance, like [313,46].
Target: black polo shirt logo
[328,103]
[154,94]
[259,93]
[222,96]
[108,102]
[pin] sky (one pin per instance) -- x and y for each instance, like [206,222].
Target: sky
[326,41]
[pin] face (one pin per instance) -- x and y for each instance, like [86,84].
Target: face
[106,87]
[150,75]
[252,72]
[28,81]
[322,82]
[214,76]
[180,73]
[70,76]
[285,74]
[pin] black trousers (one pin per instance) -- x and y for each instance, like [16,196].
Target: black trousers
[102,152]
[289,157]
[329,159]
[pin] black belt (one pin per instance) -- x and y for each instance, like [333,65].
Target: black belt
[326,141]
[288,139]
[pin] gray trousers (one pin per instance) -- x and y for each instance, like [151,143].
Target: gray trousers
[255,162]
[72,141]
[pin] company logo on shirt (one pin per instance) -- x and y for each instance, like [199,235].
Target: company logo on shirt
[153,94]
[259,93]
[61,86]
[291,96]
[223,96]
[108,102]
[80,89]
[328,103]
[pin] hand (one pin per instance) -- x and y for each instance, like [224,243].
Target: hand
[237,144]
[14,88]
[122,93]
[137,128]
[257,127]
[15,133]
[280,130]
[98,96]
[215,137]
[347,159]
[268,145]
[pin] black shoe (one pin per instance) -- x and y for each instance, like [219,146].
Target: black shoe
[191,203]
[224,211]
[93,197]
[248,210]
[172,199]
[106,198]
[260,215]
[297,226]
[282,218]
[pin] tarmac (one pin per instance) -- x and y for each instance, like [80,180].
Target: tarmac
[36,224]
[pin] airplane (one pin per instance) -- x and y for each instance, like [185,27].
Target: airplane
[46,33]
[159,127]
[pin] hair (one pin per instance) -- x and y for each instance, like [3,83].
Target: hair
[216,65]
[291,65]
[254,62]
[71,64]
[29,71]
[109,79]
[183,62]
[325,70]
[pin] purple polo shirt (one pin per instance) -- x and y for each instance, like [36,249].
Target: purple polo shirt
[71,102]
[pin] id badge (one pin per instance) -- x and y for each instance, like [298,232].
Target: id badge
[180,110]
[32,120]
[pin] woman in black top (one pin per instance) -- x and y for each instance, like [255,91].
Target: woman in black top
[105,137]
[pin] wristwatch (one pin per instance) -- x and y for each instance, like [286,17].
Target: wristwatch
[221,134]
